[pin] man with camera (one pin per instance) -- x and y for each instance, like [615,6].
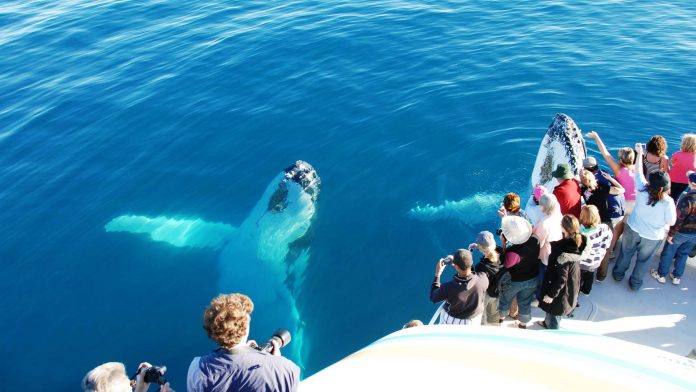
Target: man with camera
[240,364]
[464,294]
[111,377]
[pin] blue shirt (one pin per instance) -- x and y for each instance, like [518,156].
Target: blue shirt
[243,369]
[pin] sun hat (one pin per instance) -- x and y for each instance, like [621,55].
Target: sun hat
[516,229]
[562,171]
[589,163]
[485,239]
[692,176]
[659,179]
[539,191]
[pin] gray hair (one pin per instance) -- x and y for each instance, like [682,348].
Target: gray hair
[549,204]
[109,377]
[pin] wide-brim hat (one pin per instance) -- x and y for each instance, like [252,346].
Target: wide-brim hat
[516,229]
[562,171]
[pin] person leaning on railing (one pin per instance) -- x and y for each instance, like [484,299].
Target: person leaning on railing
[464,294]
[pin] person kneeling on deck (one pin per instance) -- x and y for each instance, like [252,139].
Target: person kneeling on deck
[464,294]
[238,365]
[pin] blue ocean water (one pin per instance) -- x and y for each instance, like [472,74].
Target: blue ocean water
[190,108]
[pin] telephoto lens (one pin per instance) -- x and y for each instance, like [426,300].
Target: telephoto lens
[281,336]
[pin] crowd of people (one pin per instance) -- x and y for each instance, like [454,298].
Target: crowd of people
[564,241]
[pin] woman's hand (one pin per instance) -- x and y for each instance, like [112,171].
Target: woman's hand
[591,135]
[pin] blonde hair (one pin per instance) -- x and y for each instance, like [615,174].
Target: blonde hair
[627,156]
[588,179]
[549,204]
[589,216]
[688,142]
[109,377]
[226,319]
[570,224]
[490,254]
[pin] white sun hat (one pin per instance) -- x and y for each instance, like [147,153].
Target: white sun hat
[516,229]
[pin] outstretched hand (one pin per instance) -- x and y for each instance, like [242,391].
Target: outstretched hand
[592,135]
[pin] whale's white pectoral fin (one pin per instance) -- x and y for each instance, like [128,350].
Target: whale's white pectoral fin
[194,233]
[472,209]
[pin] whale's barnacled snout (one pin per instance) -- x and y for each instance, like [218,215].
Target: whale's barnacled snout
[300,173]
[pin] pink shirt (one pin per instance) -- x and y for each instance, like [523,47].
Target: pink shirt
[627,180]
[681,163]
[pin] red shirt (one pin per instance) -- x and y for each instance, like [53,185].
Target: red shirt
[568,195]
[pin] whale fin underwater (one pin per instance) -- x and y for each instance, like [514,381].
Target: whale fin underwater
[467,210]
[195,233]
[264,258]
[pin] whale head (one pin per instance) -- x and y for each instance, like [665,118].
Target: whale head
[563,143]
[300,174]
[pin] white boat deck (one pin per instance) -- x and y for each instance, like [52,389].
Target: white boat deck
[659,315]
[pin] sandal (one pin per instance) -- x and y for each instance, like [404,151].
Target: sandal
[542,324]
[520,325]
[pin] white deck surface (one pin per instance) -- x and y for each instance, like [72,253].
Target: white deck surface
[662,316]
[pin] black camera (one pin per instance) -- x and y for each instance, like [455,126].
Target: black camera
[447,261]
[499,232]
[153,374]
[281,336]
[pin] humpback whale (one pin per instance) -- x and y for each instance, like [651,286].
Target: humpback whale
[264,258]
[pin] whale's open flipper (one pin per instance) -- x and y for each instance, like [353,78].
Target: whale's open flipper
[178,232]
[265,258]
[472,210]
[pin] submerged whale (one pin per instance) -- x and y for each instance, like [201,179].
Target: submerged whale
[264,258]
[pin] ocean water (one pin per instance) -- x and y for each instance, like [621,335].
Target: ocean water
[191,108]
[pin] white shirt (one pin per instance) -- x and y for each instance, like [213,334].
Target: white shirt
[651,222]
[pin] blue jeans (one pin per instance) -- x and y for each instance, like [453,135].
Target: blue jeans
[678,251]
[630,244]
[552,322]
[540,280]
[524,291]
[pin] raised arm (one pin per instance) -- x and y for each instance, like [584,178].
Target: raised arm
[639,179]
[615,167]
[616,187]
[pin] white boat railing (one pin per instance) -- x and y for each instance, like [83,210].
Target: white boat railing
[437,313]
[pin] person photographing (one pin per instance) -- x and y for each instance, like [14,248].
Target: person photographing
[464,294]
[239,364]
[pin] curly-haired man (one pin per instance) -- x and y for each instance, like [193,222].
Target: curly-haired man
[236,365]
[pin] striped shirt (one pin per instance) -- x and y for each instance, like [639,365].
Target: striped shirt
[600,239]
